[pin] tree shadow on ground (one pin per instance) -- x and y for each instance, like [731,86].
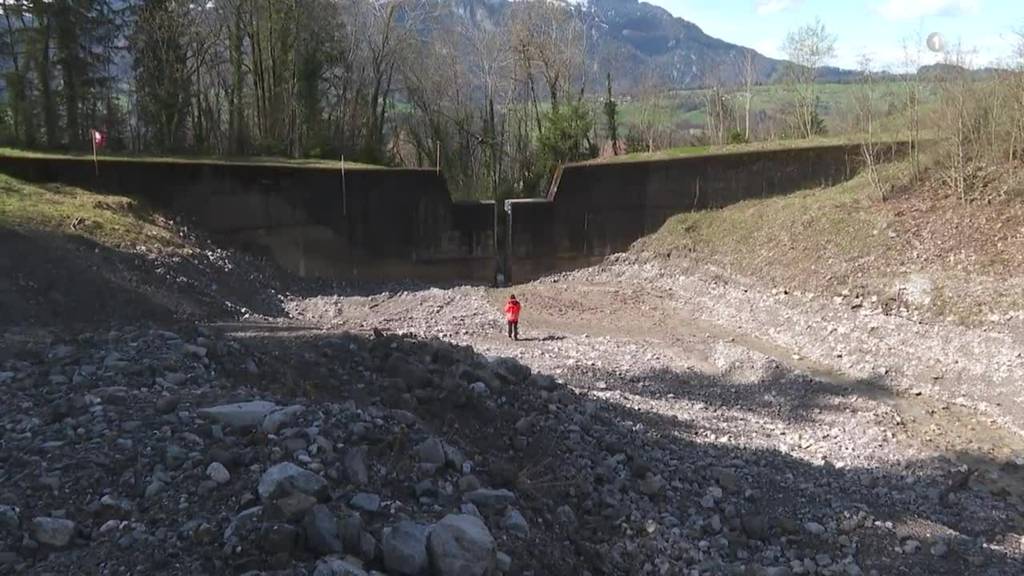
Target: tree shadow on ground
[556,446]
[779,392]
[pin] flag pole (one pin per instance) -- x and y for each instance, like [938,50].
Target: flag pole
[95,160]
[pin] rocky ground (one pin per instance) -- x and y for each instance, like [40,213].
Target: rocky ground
[651,421]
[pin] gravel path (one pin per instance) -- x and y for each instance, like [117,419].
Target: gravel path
[833,385]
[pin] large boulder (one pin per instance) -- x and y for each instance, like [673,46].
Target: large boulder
[414,374]
[241,414]
[461,545]
[490,499]
[431,451]
[405,548]
[278,419]
[56,532]
[510,369]
[287,478]
[333,566]
[321,527]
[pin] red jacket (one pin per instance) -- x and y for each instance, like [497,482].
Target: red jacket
[512,308]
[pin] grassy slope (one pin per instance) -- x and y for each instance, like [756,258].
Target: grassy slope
[845,240]
[112,221]
[69,256]
[250,160]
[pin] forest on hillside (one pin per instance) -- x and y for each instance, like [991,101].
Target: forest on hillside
[496,102]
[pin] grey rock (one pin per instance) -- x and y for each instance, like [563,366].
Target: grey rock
[515,523]
[321,527]
[504,563]
[351,530]
[278,538]
[333,566]
[454,457]
[365,502]
[940,549]
[241,414]
[242,524]
[491,499]
[155,488]
[356,469]
[404,548]
[175,378]
[167,404]
[511,369]
[469,508]
[175,456]
[755,527]
[469,483]
[218,473]
[197,351]
[431,451]
[911,547]
[651,485]
[726,478]
[425,488]
[565,516]
[543,382]
[10,518]
[116,507]
[367,547]
[287,478]
[461,545]
[290,508]
[56,532]
[814,528]
[275,420]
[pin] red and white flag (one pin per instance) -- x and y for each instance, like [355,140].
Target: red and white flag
[98,138]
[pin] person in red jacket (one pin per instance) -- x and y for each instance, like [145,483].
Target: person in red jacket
[512,309]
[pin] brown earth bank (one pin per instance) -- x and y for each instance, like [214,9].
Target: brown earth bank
[654,419]
[919,252]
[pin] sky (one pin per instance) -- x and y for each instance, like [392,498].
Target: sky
[985,29]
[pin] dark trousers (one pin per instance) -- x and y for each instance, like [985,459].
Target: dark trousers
[513,329]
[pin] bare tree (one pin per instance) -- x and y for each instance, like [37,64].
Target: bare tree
[1016,86]
[865,98]
[648,99]
[911,84]
[717,108]
[749,73]
[808,48]
[956,97]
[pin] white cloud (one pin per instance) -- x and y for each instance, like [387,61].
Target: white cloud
[770,48]
[914,9]
[765,7]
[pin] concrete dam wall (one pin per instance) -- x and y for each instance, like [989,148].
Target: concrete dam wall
[381,224]
[596,209]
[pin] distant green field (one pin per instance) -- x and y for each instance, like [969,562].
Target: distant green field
[685,151]
[249,160]
[685,108]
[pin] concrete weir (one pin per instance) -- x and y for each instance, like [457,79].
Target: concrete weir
[386,224]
